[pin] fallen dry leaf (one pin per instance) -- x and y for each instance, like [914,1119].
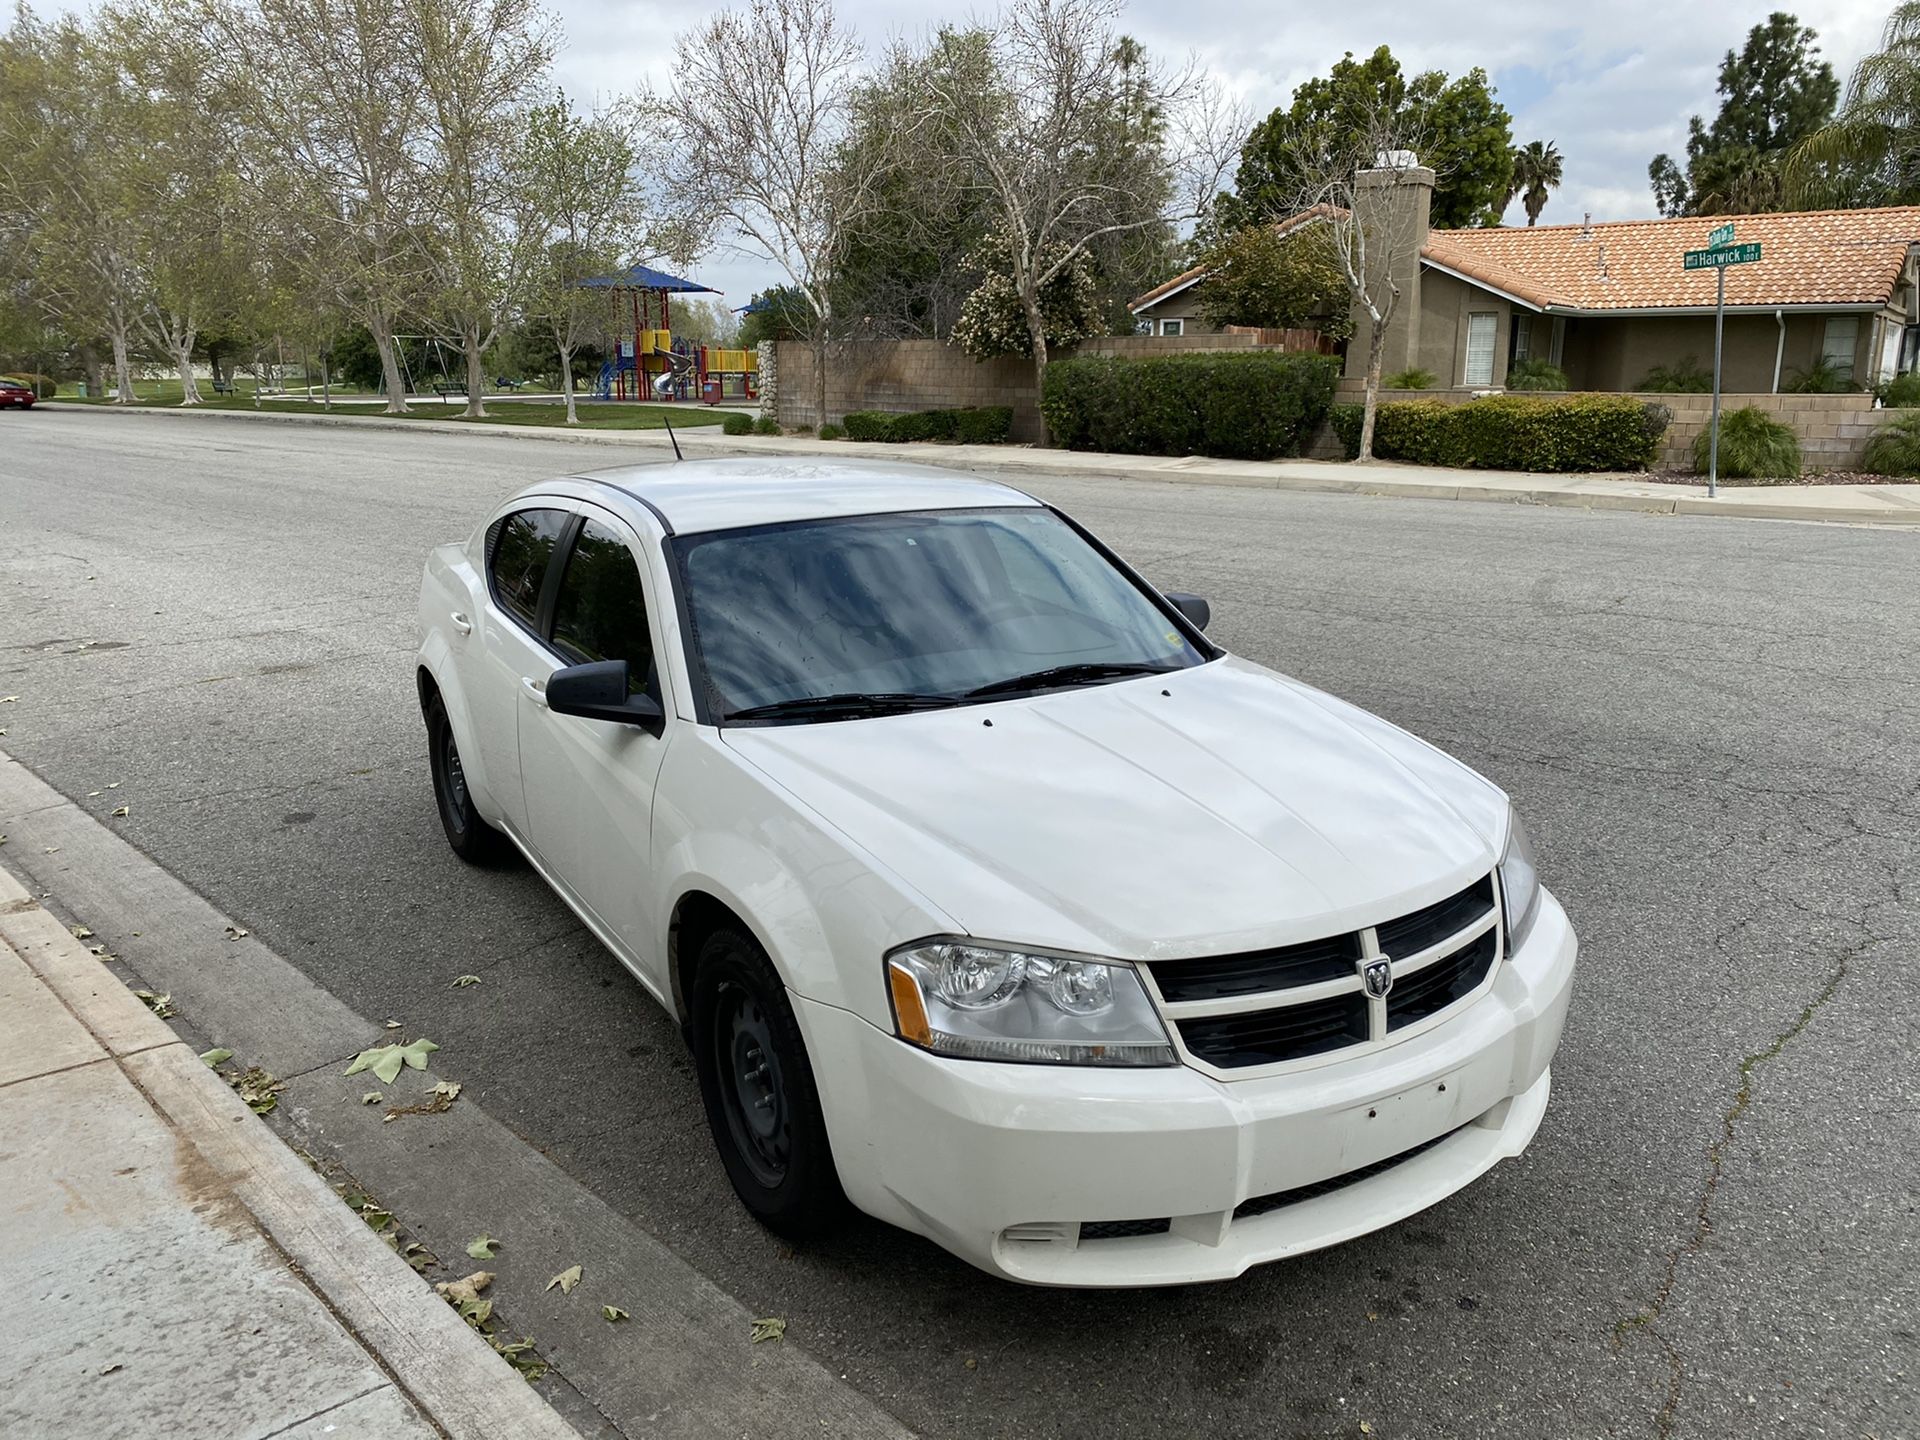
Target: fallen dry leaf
[372,1097]
[214,1059]
[613,1314]
[80,932]
[234,932]
[385,1060]
[771,1328]
[467,1288]
[566,1280]
[460,982]
[8,699]
[121,813]
[482,1247]
[161,1005]
[393,1024]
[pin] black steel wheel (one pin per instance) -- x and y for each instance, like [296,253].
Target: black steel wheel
[757,1084]
[472,839]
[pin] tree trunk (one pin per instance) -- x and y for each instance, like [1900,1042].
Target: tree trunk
[1376,338]
[390,370]
[326,382]
[122,367]
[820,374]
[1037,333]
[181,338]
[476,373]
[96,372]
[566,382]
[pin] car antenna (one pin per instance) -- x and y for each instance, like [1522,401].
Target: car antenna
[677,366]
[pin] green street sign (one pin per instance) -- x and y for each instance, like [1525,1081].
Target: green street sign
[1720,238]
[1720,259]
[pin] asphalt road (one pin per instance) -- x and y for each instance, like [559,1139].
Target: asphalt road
[1712,727]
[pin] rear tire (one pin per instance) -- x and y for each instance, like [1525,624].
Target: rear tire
[471,838]
[761,1101]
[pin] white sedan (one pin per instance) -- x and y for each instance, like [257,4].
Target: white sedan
[992,896]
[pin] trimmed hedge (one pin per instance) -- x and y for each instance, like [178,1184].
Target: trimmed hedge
[989,425]
[1235,405]
[1513,432]
[766,425]
[831,431]
[44,387]
[737,424]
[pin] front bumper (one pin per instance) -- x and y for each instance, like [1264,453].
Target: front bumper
[1003,1164]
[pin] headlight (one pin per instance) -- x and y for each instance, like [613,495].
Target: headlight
[1519,884]
[982,1002]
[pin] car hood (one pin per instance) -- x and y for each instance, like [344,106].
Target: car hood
[1218,809]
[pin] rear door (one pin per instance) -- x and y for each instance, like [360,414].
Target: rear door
[511,659]
[589,784]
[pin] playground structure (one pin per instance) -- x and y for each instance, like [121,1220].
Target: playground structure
[647,363]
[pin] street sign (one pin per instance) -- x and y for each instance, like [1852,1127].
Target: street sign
[1720,238]
[1720,259]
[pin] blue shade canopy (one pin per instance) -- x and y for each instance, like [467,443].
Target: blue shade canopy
[645,277]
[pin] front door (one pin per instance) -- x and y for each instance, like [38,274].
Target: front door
[589,783]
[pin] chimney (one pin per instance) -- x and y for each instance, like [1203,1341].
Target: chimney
[1394,201]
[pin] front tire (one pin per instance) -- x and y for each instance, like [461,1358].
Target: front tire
[471,838]
[758,1087]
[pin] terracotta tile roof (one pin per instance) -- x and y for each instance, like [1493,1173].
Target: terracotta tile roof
[1198,272]
[1814,257]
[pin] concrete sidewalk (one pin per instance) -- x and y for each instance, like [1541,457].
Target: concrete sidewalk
[171,1268]
[1843,504]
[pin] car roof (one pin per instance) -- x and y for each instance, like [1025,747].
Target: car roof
[700,495]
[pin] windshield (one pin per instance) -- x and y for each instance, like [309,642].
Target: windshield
[825,619]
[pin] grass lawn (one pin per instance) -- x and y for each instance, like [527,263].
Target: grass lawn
[594,415]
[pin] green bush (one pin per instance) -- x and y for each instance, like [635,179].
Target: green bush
[1513,432]
[988,426]
[1900,392]
[1239,405]
[803,429]
[45,387]
[1818,378]
[1415,379]
[1753,446]
[737,424]
[766,425]
[831,431]
[1537,375]
[1895,447]
[1684,377]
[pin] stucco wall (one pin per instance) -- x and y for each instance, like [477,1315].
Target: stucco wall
[1833,429]
[905,375]
[1602,354]
[1445,304]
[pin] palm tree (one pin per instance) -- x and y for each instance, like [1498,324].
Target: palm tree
[1869,154]
[1536,170]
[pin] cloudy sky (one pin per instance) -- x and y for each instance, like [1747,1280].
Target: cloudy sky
[1610,81]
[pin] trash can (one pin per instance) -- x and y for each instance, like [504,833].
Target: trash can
[81,390]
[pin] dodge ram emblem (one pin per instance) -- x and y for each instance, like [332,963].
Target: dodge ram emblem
[1377,976]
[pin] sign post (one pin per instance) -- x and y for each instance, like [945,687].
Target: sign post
[1721,252]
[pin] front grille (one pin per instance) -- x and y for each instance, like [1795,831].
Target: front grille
[1432,988]
[1455,936]
[1265,1204]
[1262,1037]
[1220,977]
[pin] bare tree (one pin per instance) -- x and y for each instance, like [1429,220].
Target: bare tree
[580,178]
[336,145]
[1366,185]
[754,131]
[478,65]
[1071,136]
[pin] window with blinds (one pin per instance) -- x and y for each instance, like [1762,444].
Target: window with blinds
[1480,347]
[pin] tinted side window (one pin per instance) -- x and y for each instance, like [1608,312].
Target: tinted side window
[602,613]
[520,554]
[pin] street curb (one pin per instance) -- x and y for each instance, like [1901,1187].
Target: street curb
[448,1370]
[1033,462]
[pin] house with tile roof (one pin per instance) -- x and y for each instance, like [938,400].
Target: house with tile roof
[1609,302]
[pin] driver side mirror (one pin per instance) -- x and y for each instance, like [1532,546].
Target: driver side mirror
[599,692]
[1194,607]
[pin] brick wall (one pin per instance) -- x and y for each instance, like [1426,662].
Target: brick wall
[903,375]
[1833,429]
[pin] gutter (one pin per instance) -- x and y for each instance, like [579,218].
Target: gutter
[1780,348]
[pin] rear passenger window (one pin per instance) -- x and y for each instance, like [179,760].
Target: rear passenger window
[521,551]
[602,612]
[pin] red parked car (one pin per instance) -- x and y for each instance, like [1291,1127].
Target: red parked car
[12,392]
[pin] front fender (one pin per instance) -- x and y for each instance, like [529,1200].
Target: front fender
[443,589]
[822,908]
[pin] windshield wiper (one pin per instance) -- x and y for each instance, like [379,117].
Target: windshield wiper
[850,705]
[1057,676]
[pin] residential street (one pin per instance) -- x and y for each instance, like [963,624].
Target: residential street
[1711,726]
